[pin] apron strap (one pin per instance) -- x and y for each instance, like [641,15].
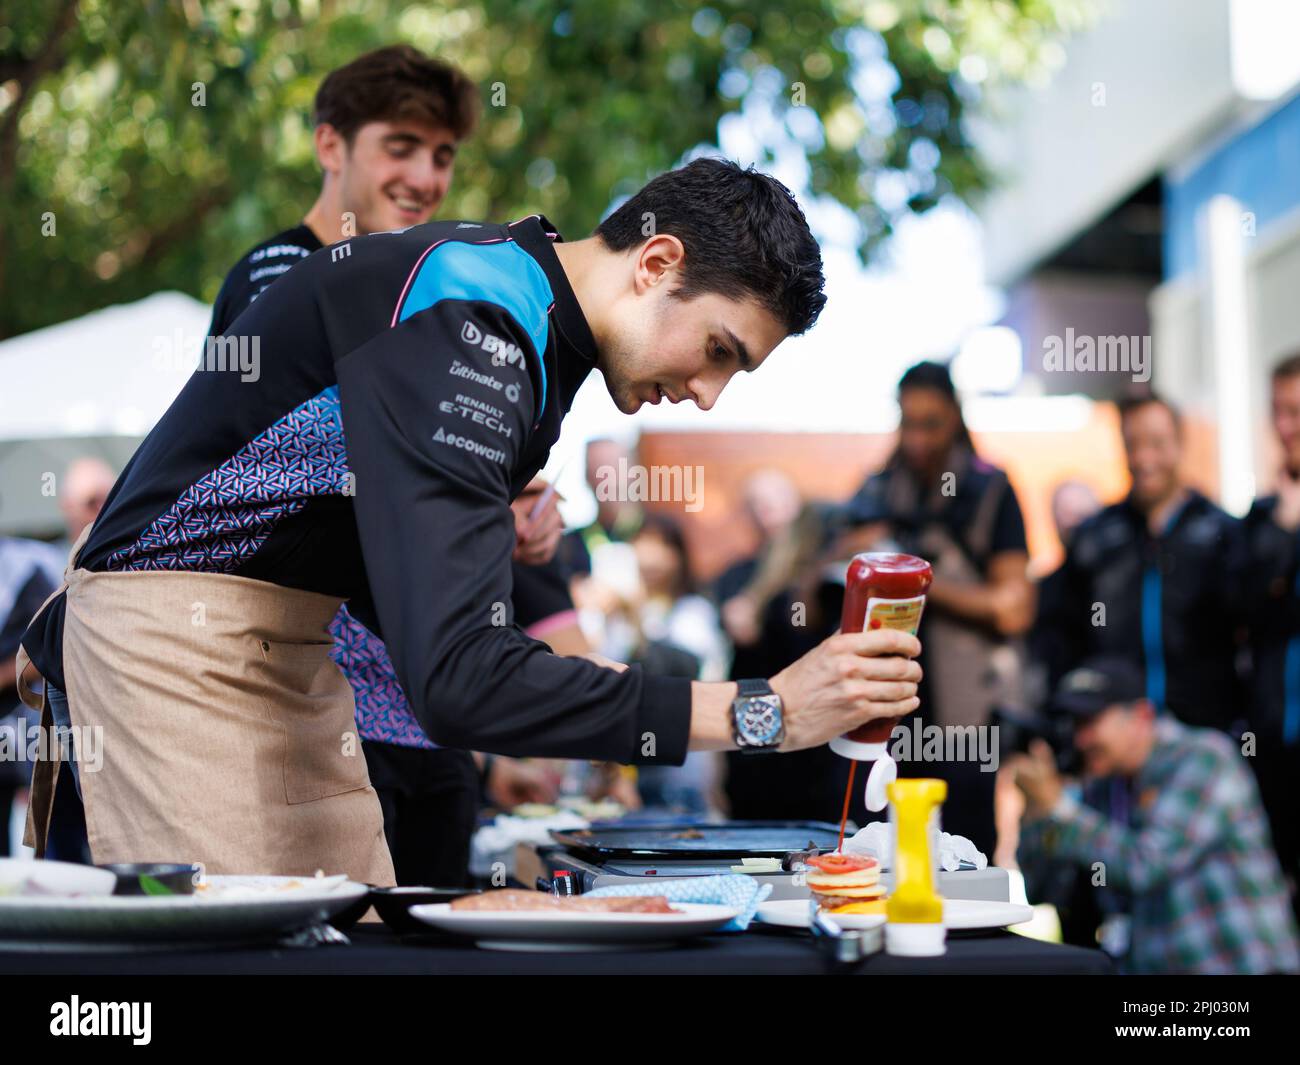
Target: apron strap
[45,773]
[30,697]
[23,660]
[75,554]
[40,797]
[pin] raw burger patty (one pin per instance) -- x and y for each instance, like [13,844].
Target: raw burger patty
[515,899]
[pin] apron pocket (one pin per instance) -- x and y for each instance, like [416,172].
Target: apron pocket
[309,699]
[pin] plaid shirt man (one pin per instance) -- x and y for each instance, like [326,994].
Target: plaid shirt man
[1207,893]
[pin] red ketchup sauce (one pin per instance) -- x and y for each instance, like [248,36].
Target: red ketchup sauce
[895,582]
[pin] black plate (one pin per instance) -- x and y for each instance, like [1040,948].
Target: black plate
[735,839]
[393,905]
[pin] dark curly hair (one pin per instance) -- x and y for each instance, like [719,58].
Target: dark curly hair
[744,235]
[394,83]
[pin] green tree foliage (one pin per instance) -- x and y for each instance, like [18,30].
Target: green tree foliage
[144,144]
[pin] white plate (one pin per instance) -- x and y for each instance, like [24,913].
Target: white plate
[238,907]
[793,913]
[962,914]
[22,876]
[958,915]
[554,930]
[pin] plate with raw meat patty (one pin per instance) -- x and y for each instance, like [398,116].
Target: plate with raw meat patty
[533,920]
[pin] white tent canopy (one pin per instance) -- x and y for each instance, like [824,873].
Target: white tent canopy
[109,373]
[94,385]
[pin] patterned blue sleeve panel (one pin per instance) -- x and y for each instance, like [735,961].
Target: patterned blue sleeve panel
[383,713]
[224,517]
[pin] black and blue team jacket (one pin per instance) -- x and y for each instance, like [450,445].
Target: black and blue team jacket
[393,393]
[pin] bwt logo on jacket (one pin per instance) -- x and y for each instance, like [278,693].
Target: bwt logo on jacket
[503,352]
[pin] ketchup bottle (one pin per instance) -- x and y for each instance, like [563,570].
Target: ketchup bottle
[883,590]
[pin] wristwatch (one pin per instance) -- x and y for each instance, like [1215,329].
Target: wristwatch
[757,718]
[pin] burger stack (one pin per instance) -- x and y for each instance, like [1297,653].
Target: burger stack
[846,883]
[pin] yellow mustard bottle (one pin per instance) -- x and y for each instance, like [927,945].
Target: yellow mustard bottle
[914,910]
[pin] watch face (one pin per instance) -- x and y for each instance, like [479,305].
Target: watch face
[760,720]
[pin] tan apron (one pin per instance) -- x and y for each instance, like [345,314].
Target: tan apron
[227,733]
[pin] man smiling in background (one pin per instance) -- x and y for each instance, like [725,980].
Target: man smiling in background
[387,129]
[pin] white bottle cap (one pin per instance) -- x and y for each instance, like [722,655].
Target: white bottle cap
[915,940]
[882,774]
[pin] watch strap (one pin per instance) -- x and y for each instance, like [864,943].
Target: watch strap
[750,687]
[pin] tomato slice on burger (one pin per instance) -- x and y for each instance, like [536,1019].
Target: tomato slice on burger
[841,863]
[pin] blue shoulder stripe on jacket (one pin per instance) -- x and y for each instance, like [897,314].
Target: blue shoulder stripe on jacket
[501,273]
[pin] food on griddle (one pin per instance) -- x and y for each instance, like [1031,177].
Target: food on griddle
[794,858]
[689,833]
[515,899]
[846,883]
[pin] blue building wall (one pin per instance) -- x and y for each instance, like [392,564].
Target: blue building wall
[1260,168]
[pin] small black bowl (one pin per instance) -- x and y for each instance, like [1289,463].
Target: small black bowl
[347,919]
[394,904]
[154,878]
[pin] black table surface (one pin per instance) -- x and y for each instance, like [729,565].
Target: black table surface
[377,951]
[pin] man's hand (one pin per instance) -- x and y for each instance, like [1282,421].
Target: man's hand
[1036,776]
[511,782]
[860,538]
[1007,604]
[846,681]
[605,663]
[536,539]
[610,781]
[740,619]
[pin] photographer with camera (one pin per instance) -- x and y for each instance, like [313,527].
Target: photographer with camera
[1204,890]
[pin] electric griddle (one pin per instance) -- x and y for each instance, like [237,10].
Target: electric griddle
[618,853]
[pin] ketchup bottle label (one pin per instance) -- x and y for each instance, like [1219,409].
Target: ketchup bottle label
[903,614]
